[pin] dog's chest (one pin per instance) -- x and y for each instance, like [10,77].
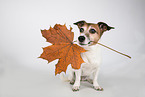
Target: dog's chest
[92,59]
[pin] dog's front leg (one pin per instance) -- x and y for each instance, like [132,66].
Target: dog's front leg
[95,82]
[76,85]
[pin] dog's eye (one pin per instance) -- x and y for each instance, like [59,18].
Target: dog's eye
[92,31]
[81,29]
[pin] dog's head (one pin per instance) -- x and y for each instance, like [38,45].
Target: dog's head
[90,33]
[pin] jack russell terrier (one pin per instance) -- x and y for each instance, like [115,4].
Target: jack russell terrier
[90,34]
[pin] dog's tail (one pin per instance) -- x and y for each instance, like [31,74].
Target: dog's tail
[64,78]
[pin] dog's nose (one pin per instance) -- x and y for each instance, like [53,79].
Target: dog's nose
[81,38]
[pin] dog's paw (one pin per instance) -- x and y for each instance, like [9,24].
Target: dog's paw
[75,88]
[98,88]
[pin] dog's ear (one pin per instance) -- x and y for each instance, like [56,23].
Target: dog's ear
[80,23]
[104,27]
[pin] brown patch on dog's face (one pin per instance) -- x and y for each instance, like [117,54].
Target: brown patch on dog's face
[92,31]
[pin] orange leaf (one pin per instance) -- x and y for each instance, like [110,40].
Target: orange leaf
[62,48]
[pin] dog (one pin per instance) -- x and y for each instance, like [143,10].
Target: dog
[90,34]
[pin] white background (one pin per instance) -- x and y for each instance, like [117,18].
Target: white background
[22,74]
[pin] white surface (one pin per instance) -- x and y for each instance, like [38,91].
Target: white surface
[22,74]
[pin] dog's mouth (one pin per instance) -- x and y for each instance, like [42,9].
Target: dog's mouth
[83,44]
[89,43]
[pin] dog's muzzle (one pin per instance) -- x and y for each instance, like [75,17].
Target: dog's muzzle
[82,40]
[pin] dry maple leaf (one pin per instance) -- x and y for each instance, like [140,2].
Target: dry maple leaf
[62,48]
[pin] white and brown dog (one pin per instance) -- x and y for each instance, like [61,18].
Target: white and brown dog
[89,36]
